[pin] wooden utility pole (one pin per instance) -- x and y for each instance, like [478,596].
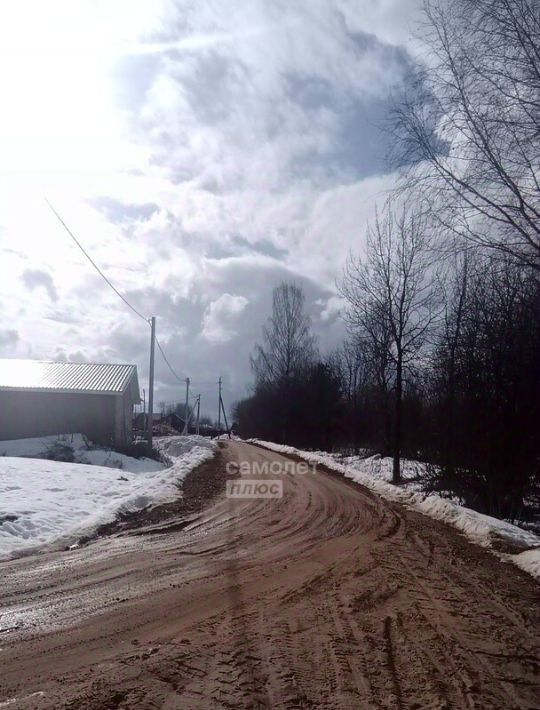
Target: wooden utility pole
[225,417]
[219,408]
[186,410]
[150,424]
[144,411]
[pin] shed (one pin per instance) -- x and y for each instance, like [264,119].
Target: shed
[41,398]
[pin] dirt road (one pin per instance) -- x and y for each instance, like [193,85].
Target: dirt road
[326,598]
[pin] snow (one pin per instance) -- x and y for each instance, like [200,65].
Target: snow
[375,473]
[83,452]
[42,501]
[181,445]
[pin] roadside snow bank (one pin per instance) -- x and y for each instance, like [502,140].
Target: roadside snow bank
[374,473]
[83,452]
[43,501]
[180,445]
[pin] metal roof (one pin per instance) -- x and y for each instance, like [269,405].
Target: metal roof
[80,377]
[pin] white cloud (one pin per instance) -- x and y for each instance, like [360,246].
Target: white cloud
[220,318]
[8,339]
[392,21]
[202,152]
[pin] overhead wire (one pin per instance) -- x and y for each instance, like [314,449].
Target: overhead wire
[96,267]
[117,292]
[180,379]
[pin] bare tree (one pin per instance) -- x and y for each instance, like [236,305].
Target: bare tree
[469,130]
[351,364]
[485,388]
[288,345]
[287,351]
[392,296]
[454,295]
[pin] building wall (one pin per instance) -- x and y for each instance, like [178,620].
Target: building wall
[105,419]
[123,418]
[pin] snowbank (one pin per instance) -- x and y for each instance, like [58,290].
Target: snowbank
[43,501]
[180,445]
[83,452]
[375,473]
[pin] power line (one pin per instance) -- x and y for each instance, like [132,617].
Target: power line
[96,267]
[113,287]
[148,321]
[175,374]
[180,379]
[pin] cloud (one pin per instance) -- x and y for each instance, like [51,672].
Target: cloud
[331,308]
[290,99]
[392,21]
[118,211]
[8,339]
[220,317]
[34,278]
[251,153]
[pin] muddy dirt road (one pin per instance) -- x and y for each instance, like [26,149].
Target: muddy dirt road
[326,598]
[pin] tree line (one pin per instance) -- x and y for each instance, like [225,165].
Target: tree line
[442,303]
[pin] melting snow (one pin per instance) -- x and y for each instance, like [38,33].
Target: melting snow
[83,452]
[43,500]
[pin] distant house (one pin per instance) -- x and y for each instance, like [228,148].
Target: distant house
[177,423]
[139,420]
[40,398]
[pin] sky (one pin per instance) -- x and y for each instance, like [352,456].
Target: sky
[202,151]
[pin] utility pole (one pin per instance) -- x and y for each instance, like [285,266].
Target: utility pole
[186,410]
[150,426]
[219,409]
[191,411]
[198,413]
[225,417]
[144,411]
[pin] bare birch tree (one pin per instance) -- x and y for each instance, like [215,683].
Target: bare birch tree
[392,296]
[469,130]
[287,351]
[288,345]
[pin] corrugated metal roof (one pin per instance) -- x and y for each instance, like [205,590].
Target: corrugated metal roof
[65,376]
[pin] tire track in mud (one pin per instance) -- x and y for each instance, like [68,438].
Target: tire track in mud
[327,598]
